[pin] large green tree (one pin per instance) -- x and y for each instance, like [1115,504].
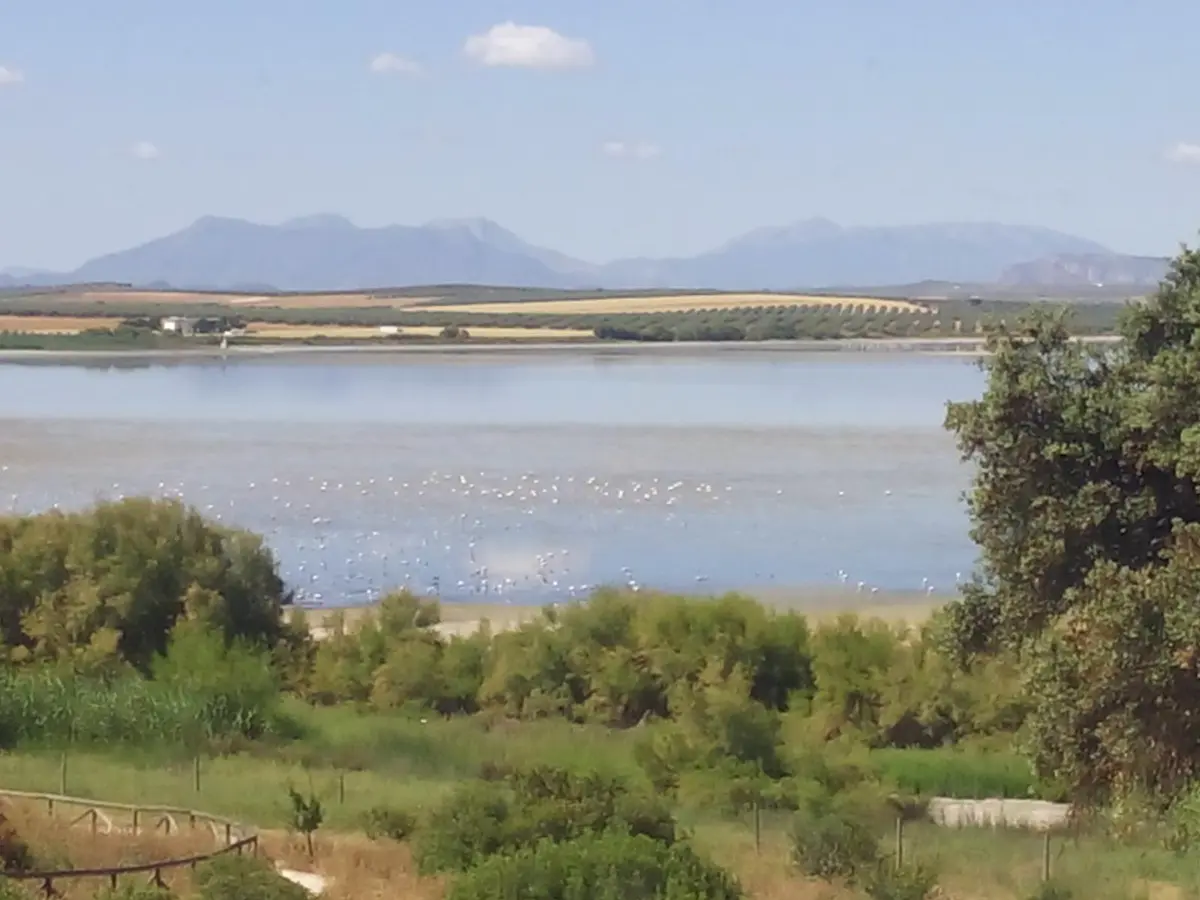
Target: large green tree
[109,583]
[1085,511]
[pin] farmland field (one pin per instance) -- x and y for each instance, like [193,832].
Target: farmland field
[349,300]
[281,331]
[674,303]
[53,324]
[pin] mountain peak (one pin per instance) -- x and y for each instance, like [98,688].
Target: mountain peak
[478,227]
[319,221]
[328,252]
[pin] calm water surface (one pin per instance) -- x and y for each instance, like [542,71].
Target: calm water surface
[523,478]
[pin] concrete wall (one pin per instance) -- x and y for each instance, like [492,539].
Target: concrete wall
[1039,815]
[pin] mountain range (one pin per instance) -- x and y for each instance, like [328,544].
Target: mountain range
[329,253]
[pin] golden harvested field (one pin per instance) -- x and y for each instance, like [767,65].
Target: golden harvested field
[350,300]
[678,303]
[327,301]
[357,332]
[54,324]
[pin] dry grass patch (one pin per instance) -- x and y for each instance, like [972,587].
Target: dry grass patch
[673,303]
[283,332]
[57,844]
[54,324]
[355,867]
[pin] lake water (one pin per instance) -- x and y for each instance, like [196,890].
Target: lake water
[524,477]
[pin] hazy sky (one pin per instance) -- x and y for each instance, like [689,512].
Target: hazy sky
[603,128]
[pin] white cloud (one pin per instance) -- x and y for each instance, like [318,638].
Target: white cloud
[10,76]
[631,150]
[391,64]
[1186,152]
[144,150]
[529,47]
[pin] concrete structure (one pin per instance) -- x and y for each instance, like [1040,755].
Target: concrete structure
[1038,815]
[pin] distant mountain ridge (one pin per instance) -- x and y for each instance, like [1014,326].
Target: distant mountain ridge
[327,252]
[1076,269]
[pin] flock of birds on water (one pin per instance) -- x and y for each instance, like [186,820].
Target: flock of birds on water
[457,535]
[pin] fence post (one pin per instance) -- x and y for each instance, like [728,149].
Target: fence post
[899,842]
[135,819]
[95,816]
[196,773]
[757,828]
[342,788]
[228,832]
[62,774]
[1046,856]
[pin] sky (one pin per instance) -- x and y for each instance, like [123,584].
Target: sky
[601,128]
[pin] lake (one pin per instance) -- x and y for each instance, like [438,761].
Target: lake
[524,476]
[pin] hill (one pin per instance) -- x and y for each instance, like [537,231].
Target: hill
[330,253]
[1080,269]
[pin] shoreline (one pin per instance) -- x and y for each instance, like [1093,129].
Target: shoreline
[819,604]
[963,347]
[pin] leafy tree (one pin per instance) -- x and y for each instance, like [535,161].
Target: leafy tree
[307,815]
[107,585]
[1086,512]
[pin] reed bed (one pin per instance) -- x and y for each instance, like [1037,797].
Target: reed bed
[44,708]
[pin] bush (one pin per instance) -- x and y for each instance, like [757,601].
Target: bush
[230,877]
[386,822]
[15,854]
[484,819]
[914,882]
[833,840]
[133,889]
[1051,890]
[609,866]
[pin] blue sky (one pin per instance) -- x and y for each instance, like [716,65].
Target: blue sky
[603,128]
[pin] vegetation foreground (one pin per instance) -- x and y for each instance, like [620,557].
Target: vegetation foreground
[654,746]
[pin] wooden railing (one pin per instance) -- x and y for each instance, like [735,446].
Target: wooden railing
[232,836]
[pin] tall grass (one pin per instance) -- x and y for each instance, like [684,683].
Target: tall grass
[48,709]
[960,774]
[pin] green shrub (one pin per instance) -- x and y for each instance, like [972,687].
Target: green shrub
[14,890]
[231,877]
[133,888]
[608,866]
[386,822]
[1051,890]
[483,819]
[833,839]
[913,882]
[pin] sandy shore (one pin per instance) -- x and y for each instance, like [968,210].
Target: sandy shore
[819,604]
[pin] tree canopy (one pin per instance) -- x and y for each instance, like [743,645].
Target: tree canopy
[1085,511]
[108,585]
